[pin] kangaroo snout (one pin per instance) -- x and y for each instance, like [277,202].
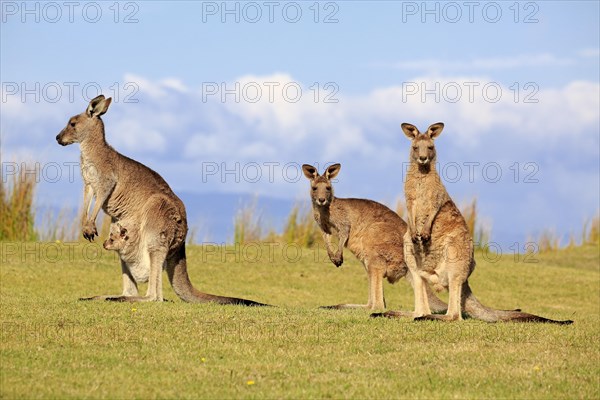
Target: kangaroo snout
[59,139]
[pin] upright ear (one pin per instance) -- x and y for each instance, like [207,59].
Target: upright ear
[332,171]
[309,171]
[434,130]
[98,106]
[410,130]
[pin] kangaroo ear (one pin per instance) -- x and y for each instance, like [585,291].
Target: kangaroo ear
[434,130]
[332,171]
[98,106]
[410,130]
[309,171]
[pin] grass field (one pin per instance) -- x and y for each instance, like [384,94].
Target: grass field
[53,346]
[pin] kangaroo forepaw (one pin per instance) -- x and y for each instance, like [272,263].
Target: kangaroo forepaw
[90,231]
[337,260]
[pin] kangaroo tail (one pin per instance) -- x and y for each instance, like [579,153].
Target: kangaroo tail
[475,309]
[180,280]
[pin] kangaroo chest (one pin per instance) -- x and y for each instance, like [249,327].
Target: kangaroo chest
[324,222]
[422,200]
[329,225]
[89,173]
[94,176]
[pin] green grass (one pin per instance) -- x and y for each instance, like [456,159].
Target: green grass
[53,346]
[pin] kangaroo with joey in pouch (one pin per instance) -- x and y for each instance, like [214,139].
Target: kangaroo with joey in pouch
[439,248]
[143,204]
[370,230]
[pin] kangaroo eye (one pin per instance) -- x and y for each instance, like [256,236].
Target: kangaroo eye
[72,124]
[430,147]
[328,188]
[415,148]
[314,188]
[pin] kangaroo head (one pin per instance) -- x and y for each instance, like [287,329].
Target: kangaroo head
[422,151]
[86,123]
[321,191]
[117,238]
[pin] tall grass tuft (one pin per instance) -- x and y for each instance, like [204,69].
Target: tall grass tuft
[301,228]
[572,242]
[591,235]
[16,207]
[479,233]
[247,224]
[548,241]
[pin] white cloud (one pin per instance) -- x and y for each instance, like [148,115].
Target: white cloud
[173,130]
[202,145]
[156,90]
[175,84]
[551,112]
[280,108]
[257,151]
[358,126]
[490,63]
[133,135]
[589,52]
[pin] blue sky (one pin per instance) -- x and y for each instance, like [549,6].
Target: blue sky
[536,122]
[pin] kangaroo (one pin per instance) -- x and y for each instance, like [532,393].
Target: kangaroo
[439,248]
[370,230]
[119,241]
[129,191]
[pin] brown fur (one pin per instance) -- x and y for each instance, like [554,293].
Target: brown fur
[439,248]
[153,215]
[370,230]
